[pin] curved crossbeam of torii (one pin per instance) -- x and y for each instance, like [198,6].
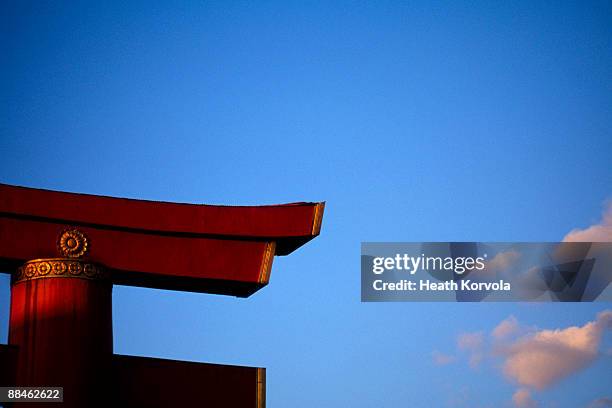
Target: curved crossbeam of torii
[66,250]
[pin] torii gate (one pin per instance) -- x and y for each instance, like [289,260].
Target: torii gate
[67,250]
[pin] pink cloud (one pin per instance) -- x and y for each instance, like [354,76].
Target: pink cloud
[506,328]
[503,260]
[536,359]
[522,399]
[470,341]
[474,344]
[548,356]
[601,232]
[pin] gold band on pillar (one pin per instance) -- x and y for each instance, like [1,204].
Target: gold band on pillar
[59,268]
[261,388]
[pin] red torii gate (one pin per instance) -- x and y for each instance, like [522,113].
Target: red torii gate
[66,251]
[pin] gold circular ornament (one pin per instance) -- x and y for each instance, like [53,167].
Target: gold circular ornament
[30,270]
[43,268]
[74,268]
[73,243]
[60,268]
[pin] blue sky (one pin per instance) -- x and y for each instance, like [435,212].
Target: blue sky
[430,121]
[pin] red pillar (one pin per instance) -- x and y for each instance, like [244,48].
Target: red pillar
[61,320]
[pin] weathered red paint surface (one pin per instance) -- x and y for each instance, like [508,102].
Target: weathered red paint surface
[157,383]
[63,330]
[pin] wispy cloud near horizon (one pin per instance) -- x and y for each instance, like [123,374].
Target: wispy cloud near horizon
[536,359]
[545,357]
[601,232]
[522,399]
[506,328]
[473,343]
